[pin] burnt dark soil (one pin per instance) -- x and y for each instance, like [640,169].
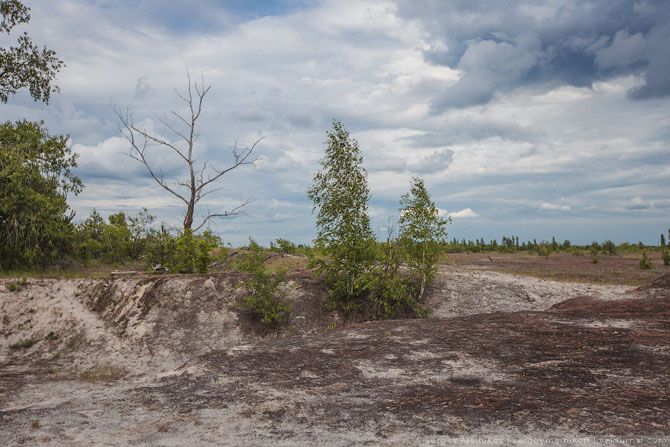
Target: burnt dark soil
[568,367]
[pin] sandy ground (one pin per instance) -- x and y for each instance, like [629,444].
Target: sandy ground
[169,361]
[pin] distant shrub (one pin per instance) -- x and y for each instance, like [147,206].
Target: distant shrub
[576,251]
[594,259]
[283,246]
[542,250]
[665,254]
[609,247]
[220,255]
[645,262]
[264,300]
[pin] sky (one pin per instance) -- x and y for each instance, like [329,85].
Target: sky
[537,119]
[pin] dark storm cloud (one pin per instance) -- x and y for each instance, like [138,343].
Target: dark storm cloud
[500,45]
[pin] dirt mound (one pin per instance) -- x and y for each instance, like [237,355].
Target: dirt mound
[136,325]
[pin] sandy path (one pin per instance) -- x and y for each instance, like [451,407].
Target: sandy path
[458,291]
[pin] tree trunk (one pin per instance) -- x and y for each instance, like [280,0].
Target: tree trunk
[188,219]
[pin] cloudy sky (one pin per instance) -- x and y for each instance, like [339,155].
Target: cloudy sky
[530,118]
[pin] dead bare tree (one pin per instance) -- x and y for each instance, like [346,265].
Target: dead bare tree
[201,175]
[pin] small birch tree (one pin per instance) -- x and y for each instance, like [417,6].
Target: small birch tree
[340,194]
[422,231]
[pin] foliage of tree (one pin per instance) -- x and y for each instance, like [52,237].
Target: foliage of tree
[422,232]
[390,294]
[25,65]
[35,178]
[340,195]
[264,299]
[161,247]
[283,246]
[200,177]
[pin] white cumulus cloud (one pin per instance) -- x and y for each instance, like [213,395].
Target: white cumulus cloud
[463,214]
[546,206]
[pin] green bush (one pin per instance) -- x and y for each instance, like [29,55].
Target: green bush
[161,247]
[542,250]
[186,253]
[665,254]
[264,300]
[391,296]
[202,259]
[283,246]
[191,255]
[645,262]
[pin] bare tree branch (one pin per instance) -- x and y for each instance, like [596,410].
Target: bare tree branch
[234,212]
[240,159]
[197,183]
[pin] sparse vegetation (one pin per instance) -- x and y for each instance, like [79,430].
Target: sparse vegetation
[645,262]
[15,286]
[264,301]
[25,344]
[102,374]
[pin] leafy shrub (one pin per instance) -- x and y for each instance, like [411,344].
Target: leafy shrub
[202,258]
[192,254]
[609,247]
[220,255]
[186,253]
[283,246]
[391,296]
[264,300]
[576,251]
[161,247]
[665,254]
[645,262]
[542,250]
[594,259]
